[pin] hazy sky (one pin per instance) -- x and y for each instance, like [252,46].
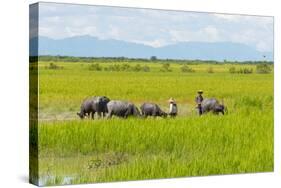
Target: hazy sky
[153,27]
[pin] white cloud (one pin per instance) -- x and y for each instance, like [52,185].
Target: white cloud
[154,43]
[206,34]
[211,33]
[227,17]
[154,27]
[263,46]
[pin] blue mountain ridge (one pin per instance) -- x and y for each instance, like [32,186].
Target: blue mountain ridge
[88,46]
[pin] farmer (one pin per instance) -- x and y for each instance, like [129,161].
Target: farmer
[199,100]
[173,111]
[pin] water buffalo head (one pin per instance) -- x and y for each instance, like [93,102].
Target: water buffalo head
[163,114]
[105,99]
[81,115]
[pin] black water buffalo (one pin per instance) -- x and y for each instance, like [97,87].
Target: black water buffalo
[151,109]
[212,105]
[122,109]
[97,104]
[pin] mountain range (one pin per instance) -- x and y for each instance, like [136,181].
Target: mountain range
[88,46]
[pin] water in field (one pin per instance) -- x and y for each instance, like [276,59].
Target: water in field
[52,180]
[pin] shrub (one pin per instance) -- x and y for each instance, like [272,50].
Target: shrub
[245,71]
[166,68]
[186,68]
[146,68]
[210,70]
[263,69]
[113,68]
[232,70]
[137,68]
[53,66]
[125,67]
[95,67]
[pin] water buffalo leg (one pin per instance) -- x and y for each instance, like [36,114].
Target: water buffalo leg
[109,115]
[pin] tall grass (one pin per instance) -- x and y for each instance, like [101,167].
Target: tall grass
[160,148]
[62,91]
[75,151]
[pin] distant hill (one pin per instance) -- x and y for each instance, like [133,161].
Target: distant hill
[87,46]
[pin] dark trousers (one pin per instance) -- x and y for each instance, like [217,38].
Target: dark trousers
[173,114]
[200,109]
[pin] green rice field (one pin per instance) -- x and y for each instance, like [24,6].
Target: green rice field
[105,150]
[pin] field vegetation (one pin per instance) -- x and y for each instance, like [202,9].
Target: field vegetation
[81,151]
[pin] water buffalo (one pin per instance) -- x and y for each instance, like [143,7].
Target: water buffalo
[212,105]
[151,109]
[122,109]
[97,104]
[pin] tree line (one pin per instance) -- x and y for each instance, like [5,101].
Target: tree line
[126,59]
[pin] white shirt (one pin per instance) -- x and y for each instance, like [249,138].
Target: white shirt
[173,108]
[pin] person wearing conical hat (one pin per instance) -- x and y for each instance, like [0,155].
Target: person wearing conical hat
[199,99]
[173,110]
